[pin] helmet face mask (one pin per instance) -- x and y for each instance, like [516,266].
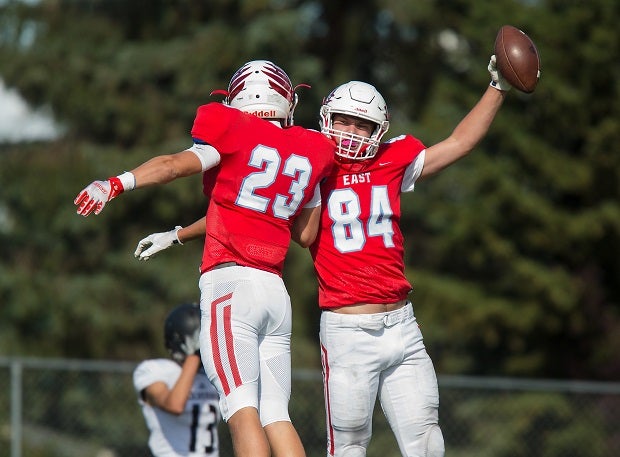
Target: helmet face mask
[262,88]
[361,100]
[181,323]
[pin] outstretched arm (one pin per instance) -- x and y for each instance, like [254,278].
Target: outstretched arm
[156,242]
[194,231]
[166,168]
[158,170]
[472,128]
[303,232]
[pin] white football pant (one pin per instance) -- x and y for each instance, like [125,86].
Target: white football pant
[245,340]
[368,354]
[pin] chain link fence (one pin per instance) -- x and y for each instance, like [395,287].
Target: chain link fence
[71,408]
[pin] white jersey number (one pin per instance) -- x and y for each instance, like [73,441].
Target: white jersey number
[268,160]
[348,230]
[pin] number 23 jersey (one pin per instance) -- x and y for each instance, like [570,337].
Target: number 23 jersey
[358,253]
[265,177]
[194,432]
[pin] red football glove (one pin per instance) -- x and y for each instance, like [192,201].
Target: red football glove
[94,196]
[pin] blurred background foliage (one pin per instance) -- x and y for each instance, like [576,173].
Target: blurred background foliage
[513,251]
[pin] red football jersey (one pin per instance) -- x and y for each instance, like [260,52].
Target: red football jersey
[358,253]
[266,176]
[208,180]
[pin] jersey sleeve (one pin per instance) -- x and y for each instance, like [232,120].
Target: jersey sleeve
[212,123]
[316,198]
[413,172]
[222,127]
[208,181]
[409,153]
[143,376]
[152,371]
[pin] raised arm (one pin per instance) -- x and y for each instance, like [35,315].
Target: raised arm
[472,128]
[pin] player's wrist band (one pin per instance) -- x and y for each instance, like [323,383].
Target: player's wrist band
[176,235]
[128,180]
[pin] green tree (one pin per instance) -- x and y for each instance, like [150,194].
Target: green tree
[521,276]
[512,251]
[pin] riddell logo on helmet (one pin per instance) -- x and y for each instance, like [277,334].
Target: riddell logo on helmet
[264,113]
[361,110]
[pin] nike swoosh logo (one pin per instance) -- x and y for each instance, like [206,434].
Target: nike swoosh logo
[382,164]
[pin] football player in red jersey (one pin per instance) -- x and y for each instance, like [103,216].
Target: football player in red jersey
[371,344]
[370,341]
[267,172]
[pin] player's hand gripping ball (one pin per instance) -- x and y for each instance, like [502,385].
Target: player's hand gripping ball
[517,58]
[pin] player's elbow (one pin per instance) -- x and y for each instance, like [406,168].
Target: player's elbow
[305,242]
[306,227]
[303,237]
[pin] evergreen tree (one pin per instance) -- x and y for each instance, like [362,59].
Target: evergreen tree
[512,251]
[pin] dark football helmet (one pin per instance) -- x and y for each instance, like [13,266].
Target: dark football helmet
[182,330]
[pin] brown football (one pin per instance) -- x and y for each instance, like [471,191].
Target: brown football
[517,58]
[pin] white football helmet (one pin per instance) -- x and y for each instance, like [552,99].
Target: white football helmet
[358,99]
[262,88]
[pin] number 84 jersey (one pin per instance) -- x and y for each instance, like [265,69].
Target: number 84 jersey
[358,253]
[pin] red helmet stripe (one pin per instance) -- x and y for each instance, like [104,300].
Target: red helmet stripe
[261,86]
[237,83]
[279,81]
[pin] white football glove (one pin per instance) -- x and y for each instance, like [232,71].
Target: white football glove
[497,80]
[192,344]
[156,242]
